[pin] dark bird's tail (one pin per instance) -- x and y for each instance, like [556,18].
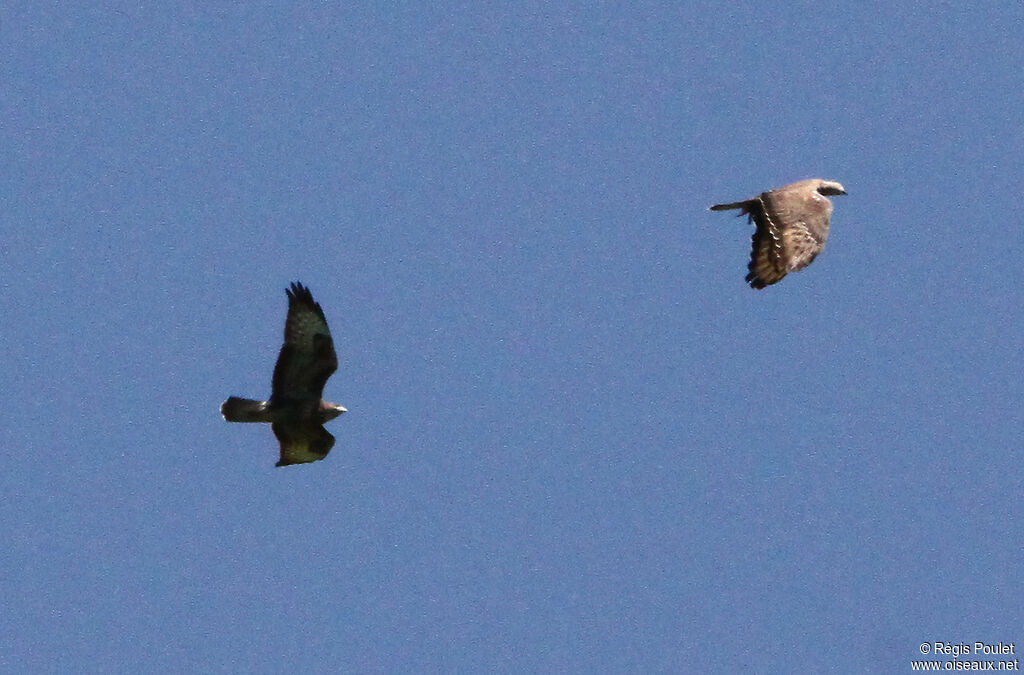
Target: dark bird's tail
[237,409]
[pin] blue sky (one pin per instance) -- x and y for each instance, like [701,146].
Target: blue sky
[576,440]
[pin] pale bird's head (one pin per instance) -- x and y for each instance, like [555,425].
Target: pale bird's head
[830,188]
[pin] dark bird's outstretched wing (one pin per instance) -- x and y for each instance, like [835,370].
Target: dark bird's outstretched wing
[307,357]
[791,228]
[302,442]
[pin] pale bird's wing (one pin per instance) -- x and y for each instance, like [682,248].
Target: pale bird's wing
[792,226]
[802,215]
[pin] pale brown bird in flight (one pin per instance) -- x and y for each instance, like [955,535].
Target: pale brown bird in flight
[296,410]
[791,227]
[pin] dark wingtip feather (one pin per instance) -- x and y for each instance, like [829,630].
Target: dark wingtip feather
[299,292]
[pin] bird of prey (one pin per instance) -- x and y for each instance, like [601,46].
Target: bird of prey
[791,227]
[296,410]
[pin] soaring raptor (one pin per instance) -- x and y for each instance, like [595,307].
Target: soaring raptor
[792,226]
[296,410]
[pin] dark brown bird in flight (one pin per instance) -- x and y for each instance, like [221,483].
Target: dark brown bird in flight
[296,410]
[792,226]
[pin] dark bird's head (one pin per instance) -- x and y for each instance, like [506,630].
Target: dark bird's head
[830,188]
[328,411]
